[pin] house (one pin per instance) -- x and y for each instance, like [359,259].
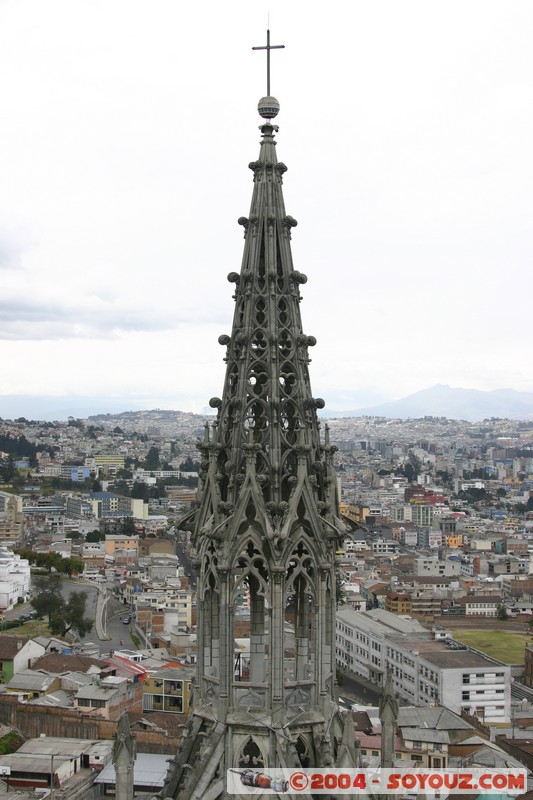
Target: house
[17,654]
[60,663]
[48,760]
[398,603]
[428,733]
[30,684]
[168,689]
[109,698]
[478,605]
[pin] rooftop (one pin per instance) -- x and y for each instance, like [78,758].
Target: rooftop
[149,770]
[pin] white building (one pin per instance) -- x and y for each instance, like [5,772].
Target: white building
[436,567]
[385,547]
[174,600]
[14,578]
[425,670]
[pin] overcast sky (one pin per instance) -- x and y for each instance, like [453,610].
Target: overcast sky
[126,131]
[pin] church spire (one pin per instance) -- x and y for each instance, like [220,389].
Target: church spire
[266,529]
[267,404]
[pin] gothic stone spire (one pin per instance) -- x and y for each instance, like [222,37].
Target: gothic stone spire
[266,529]
[267,422]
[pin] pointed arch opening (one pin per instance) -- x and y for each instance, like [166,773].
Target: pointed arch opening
[211,601]
[251,604]
[301,615]
[251,754]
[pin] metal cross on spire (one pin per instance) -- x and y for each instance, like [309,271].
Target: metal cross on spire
[268,48]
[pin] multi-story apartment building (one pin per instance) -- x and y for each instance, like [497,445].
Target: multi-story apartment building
[436,567]
[117,542]
[426,670]
[422,514]
[105,464]
[11,520]
[78,506]
[428,538]
[107,505]
[168,689]
[408,538]
[398,603]
[170,597]
[385,547]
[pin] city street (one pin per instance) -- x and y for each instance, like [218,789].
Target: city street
[118,635]
[356,690]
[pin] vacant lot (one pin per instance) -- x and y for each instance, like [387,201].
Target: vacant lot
[503,645]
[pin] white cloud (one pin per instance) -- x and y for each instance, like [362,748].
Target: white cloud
[126,133]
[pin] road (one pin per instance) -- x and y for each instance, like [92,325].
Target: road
[113,626]
[354,690]
[185,562]
[118,635]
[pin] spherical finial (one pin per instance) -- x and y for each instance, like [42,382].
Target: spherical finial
[268,107]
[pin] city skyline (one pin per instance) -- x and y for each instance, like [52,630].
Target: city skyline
[125,144]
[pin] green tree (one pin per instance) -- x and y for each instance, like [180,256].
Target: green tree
[502,612]
[139,491]
[71,617]
[95,536]
[121,488]
[72,566]
[50,561]
[47,599]
[7,469]
[127,526]
[413,467]
[189,465]
[152,459]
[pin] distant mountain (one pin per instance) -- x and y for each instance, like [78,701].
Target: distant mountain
[444,401]
[438,401]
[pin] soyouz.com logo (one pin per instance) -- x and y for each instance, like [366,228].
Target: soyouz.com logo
[377,781]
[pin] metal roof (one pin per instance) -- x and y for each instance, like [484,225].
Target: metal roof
[425,735]
[31,680]
[149,771]
[59,699]
[436,717]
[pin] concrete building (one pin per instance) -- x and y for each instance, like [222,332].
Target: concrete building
[109,697]
[168,689]
[11,520]
[426,669]
[105,464]
[106,505]
[14,578]
[436,566]
[50,762]
[117,542]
